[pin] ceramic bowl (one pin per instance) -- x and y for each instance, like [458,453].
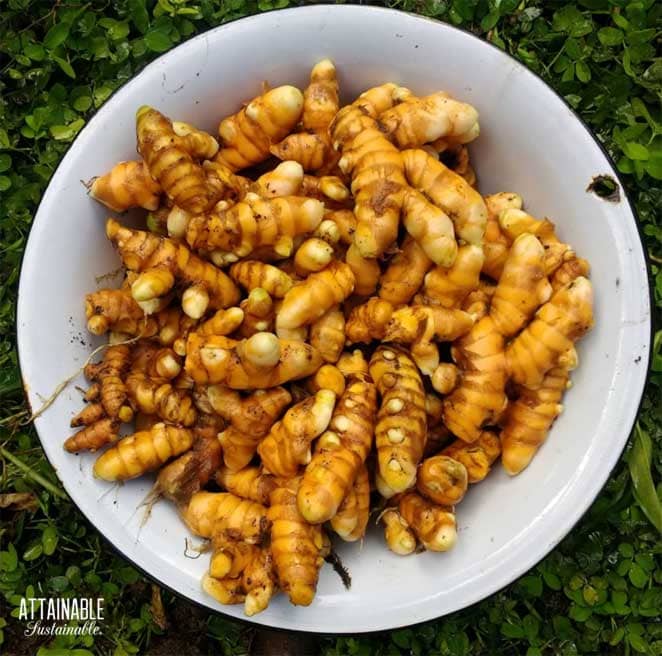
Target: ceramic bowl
[530,142]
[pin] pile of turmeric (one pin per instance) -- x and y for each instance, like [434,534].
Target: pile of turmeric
[322,321]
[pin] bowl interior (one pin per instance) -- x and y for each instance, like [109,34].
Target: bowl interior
[530,143]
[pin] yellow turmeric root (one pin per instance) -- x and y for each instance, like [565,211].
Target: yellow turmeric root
[223,322]
[287,446]
[369,321]
[433,525]
[255,222]
[259,362]
[399,538]
[252,273]
[169,162]
[558,324]
[345,222]
[476,457]
[514,222]
[328,188]
[430,227]
[318,293]
[93,436]
[145,252]
[366,271]
[327,335]
[496,245]
[127,185]
[90,414]
[422,326]
[449,287]
[199,144]
[417,121]
[445,378]
[115,309]
[312,256]
[320,98]
[333,470]
[442,480]
[284,180]
[529,418]
[250,419]
[351,519]
[259,313]
[449,191]
[479,399]
[247,135]
[405,273]
[401,426]
[109,374]
[225,514]
[142,452]
[568,271]
[329,377]
[248,483]
[353,364]
[154,397]
[296,546]
[308,150]
[523,286]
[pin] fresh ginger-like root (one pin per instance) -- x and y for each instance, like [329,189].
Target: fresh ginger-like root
[353,364]
[253,273]
[288,443]
[226,591]
[568,271]
[496,245]
[93,436]
[476,457]
[366,271]
[449,191]
[433,525]
[430,227]
[127,185]
[327,377]
[115,309]
[558,324]
[442,480]
[255,222]
[222,323]
[248,483]
[312,256]
[320,98]
[230,557]
[318,293]
[449,287]
[477,302]
[341,452]
[399,538]
[90,414]
[514,222]
[142,452]
[200,144]
[225,514]
[405,273]
[369,321]
[479,398]
[308,150]
[445,378]
[247,135]
[351,520]
[296,545]
[327,335]
[259,581]
[109,373]
[345,222]
[401,426]
[528,419]
[328,188]
[284,180]
[250,417]
[422,326]
[155,362]
[173,328]
[523,286]
[169,162]
[259,313]
[142,251]
[179,480]
[417,121]
[153,397]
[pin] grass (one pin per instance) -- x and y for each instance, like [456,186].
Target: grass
[599,592]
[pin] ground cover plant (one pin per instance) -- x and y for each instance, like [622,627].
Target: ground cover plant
[599,592]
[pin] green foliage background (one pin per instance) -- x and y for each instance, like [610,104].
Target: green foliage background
[599,592]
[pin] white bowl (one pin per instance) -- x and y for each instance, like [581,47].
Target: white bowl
[531,142]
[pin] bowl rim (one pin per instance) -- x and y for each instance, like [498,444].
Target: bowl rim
[585,503]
